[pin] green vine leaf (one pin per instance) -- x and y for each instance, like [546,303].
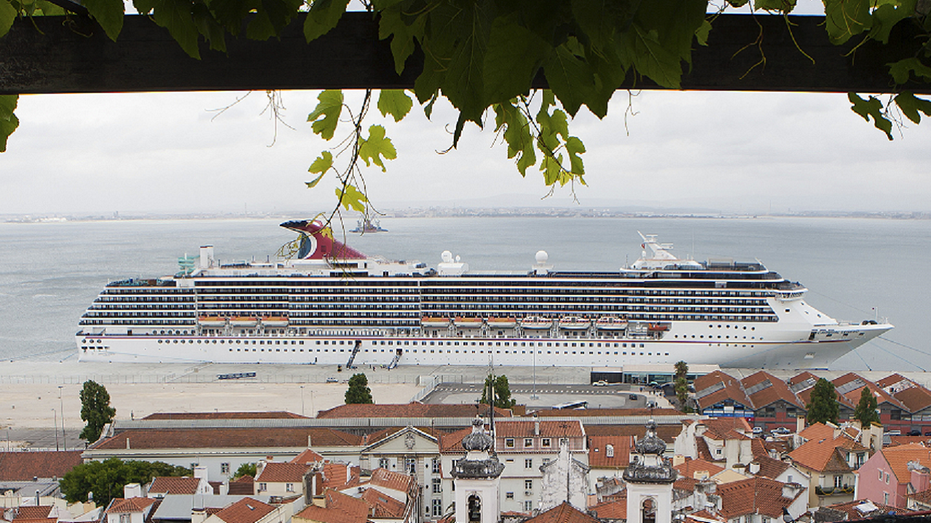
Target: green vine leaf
[783,6]
[271,16]
[351,198]
[321,166]
[7,16]
[376,146]
[871,108]
[516,134]
[887,15]
[325,116]
[401,28]
[512,59]
[8,121]
[702,33]
[394,102]
[174,15]
[911,105]
[108,13]
[846,19]
[575,147]
[902,70]
[322,17]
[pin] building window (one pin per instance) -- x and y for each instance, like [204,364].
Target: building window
[435,466]
[528,463]
[528,443]
[263,487]
[609,451]
[545,443]
[528,506]
[528,484]
[509,443]
[289,487]
[885,499]
[124,518]
[546,460]
[411,466]
[509,495]
[437,486]
[880,475]
[224,468]
[437,507]
[837,481]
[383,463]
[887,478]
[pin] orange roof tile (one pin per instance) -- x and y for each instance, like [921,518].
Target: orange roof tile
[32,512]
[823,454]
[307,457]
[383,505]
[23,466]
[391,480]
[898,458]
[892,379]
[665,432]
[340,508]
[564,513]
[721,429]
[776,391]
[409,410]
[227,437]
[817,431]
[895,441]
[548,429]
[753,496]
[598,455]
[729,389]
[276,472]
[174,485]
[915,399]
[121,505]
[246,510]
[611,509]
[339,476]
[691,467]
[242,486]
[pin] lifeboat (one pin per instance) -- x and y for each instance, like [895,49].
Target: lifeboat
[275,321]
[536,323]
[244,321]
[502,323]
[468,323]
[658,327]
[574,323]
[611,323]
[428,321]
[211,321]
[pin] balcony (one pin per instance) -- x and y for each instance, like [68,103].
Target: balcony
[833,491]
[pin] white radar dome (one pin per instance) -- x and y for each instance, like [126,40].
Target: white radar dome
[542,257]
[447,257]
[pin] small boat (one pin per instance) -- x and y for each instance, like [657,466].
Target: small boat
[611,323]
[244,321]
[436,322]
[366,224]
[502,323]
[275,321]
[536,323]
[211,321]
[468,323]
[658,327]
[574,323]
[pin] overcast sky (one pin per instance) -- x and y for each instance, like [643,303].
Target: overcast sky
[731,152]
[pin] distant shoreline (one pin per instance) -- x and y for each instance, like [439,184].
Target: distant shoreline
[468,212]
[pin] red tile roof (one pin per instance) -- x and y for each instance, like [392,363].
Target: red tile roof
[598,451]
[391,480]
[23,466]
[548,429]
[227,438]
[769,467]
[340,508]
[409,410]
[776,391]
[383,505]
[174,485]
[691,467]
[32,512]
[823,454]
[222,415]
[307,457]
[853,395]
[564,513]
[730,389]
[895,441]
[242,486]
[276,472]
[817,431]
[339,476]
[611,509]
[721,429]
[915,398]
[898,458]
[665,432]
[590,412]
[121,505]
[753,496]
[246,510]
[892,379]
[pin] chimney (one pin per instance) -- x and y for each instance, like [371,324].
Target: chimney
[259,467]
[799,424]
[132,490]
[308,441]
[789,490]
[536,425]
[127,444]
[200,472]
[198,515]
[754,467]
[677,460]
[918,476]
[365,439]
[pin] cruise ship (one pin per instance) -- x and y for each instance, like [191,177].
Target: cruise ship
[327,303]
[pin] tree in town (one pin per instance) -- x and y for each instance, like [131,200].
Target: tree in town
[358,391]
[246,469]
[105,479]
[866,408]
[682,386]
[502,392]
[95,410]
[823,407]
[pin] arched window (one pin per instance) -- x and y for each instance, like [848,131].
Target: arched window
[475,508]
[648,510]
[609,451]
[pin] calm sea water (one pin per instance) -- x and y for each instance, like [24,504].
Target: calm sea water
[854,268]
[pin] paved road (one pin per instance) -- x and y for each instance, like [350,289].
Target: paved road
[544,395]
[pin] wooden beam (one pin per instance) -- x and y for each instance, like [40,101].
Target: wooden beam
[73,55]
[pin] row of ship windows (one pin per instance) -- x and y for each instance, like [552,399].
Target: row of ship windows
[583,289]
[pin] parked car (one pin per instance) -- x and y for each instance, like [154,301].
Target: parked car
[332,380]
[757,431]
[914,432]
[632,397]
[781,431]
[600,383]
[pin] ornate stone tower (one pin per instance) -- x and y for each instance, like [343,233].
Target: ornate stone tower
[476,478]
[649,481]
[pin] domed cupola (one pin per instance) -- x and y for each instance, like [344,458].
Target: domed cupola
[651,443]
[477,441]
[649,466]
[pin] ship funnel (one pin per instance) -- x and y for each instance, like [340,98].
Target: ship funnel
[206,256]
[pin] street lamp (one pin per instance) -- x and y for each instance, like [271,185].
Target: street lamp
[61,405]
[302,400]
[55,423]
